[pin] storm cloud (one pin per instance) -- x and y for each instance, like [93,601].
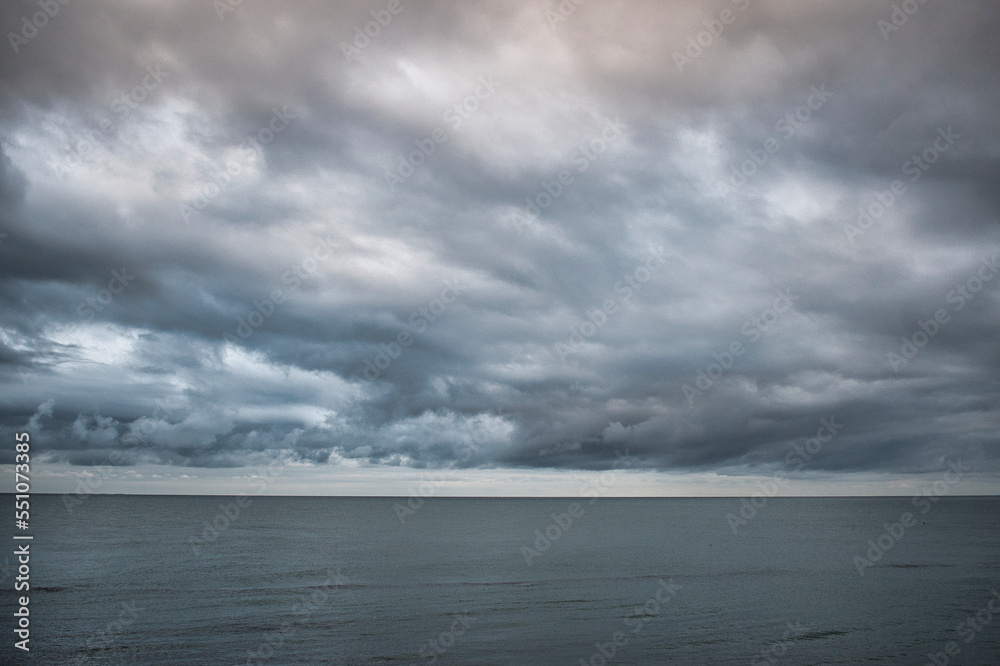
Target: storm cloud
[501,234]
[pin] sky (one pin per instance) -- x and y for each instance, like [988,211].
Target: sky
[501,248]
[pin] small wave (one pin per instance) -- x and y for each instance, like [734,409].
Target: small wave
[816,635]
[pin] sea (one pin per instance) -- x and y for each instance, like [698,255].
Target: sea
[127,579]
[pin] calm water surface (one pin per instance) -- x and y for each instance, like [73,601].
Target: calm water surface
[140,580]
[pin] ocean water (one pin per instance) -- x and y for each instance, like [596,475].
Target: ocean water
[143,580]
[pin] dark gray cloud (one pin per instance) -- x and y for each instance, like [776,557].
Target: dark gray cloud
[490,237]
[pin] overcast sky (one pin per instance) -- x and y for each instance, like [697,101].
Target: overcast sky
[512,243]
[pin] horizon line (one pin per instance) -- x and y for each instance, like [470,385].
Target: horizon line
[567,497]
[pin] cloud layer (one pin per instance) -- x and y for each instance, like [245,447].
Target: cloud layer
[502,234]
